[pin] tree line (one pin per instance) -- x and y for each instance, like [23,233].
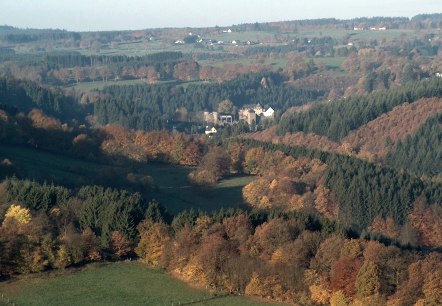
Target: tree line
[72,59]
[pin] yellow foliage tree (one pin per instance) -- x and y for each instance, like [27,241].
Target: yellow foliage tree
[153,239]
[202,224]
[338,298]
[319,294]
[194,272]
[20,214]
[352,248]
[256,286]
[63,258]
[255,191]
[269,287]
[432,287]
[368,282]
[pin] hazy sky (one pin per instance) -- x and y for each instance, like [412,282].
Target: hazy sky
[88,15]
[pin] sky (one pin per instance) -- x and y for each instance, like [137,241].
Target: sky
[102,15]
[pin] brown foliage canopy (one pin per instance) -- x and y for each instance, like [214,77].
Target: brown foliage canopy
[379,136]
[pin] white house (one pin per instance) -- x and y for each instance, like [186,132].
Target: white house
[269,113]
[210,131]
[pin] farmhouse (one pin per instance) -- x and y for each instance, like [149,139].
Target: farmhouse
[269,113]
[210,131]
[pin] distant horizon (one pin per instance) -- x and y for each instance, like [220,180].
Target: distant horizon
[209,26]
[102,15]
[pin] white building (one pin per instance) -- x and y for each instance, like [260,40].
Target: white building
[269,113]
[211,131]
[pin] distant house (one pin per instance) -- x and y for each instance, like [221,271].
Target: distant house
[227,31]
[359,28]
[179,42]
[211,117]
[438,74]
[210,131]
[378,29]
[251,113]
[269,113]
[250,116]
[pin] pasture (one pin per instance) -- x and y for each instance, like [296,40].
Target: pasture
[170,185]
[121,283]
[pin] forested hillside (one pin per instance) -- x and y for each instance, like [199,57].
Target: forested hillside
[270,254]
[378,137]
[24,96]
[420,153]
[364,191]
[147,107]
[336,119]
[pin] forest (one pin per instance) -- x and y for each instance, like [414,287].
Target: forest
[335,120]
[421,154]
[147,107]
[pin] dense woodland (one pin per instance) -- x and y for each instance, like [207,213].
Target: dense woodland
[55,227]
[25,96]
[421,153]
[377,138]
[147,107]
[342,204]
[335,120]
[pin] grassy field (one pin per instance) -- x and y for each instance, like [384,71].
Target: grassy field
[89,86]
[356,35]
[334,63]
[171,187]
[243,36]
[276,63]
[124,283]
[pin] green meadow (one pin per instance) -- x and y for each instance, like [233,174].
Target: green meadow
[121,283]
[170,184]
